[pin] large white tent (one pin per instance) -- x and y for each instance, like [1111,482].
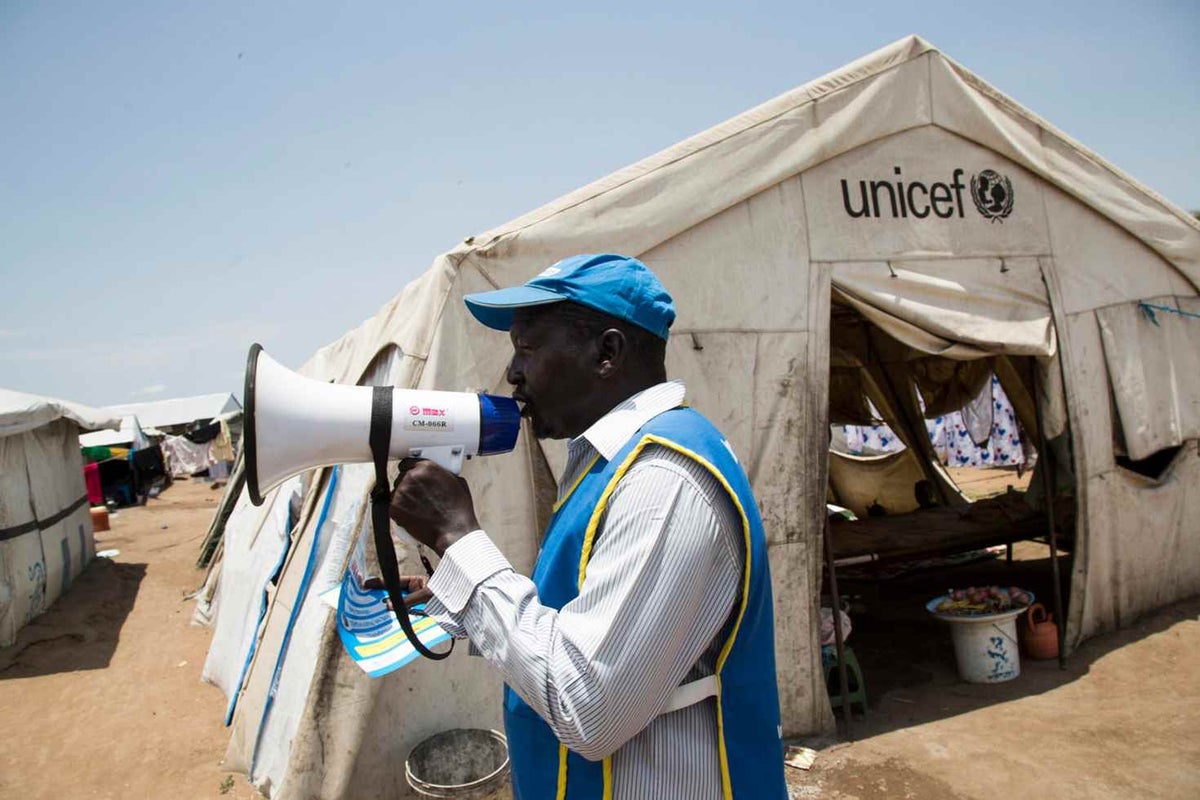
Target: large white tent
[902,191]
[45,527]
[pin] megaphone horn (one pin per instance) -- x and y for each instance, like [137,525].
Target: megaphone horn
[294,424]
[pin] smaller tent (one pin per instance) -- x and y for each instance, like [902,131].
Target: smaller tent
[191,424]
[178,414]
[131,435]
[45,528]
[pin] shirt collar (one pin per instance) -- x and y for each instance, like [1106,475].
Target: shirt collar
[610,433]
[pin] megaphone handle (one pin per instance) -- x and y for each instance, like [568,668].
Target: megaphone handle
[385,552]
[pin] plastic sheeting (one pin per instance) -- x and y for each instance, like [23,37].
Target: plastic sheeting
[184,457]
[255,541]
[285,657]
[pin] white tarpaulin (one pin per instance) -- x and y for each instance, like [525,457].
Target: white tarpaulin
[184,457]
[1004,236]
[45,527]
[255,540]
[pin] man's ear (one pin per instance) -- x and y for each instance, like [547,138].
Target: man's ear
[612,348]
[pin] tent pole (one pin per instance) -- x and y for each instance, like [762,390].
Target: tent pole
[839,641]
[1047,483]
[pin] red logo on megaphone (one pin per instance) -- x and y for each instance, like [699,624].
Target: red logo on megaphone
[414,410]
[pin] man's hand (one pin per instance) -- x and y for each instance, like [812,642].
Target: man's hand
[432,504]
[415,585]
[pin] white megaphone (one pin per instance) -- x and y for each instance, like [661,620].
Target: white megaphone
[294,424]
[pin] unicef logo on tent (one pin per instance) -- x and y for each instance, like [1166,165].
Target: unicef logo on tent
[902,198]
[993,195]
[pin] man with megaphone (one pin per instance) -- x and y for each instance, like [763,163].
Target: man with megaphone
[640,658]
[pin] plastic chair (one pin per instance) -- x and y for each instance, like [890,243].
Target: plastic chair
[854,678]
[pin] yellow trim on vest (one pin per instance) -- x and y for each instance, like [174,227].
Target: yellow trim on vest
[562,748]
[726,779]
[559,503]
[561,794]
[608,784]
[589,539]
[589,536]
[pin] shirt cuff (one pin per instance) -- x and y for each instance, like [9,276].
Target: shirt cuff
[467,563]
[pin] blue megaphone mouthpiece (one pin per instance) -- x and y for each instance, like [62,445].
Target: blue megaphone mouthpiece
[499,424]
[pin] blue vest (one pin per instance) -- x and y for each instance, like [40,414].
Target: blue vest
[750,747]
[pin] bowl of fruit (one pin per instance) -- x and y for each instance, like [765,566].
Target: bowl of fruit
[983,629]
[980,603]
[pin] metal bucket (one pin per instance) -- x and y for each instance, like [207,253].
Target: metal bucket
[460,763]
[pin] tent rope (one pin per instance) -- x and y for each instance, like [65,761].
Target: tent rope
[1149,308]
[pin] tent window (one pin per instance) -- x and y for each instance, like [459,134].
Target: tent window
[1153,466]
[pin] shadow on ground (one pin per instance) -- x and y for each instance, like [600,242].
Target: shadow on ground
[907,656]
[89,616]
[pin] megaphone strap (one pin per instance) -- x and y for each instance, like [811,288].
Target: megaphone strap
[380,439]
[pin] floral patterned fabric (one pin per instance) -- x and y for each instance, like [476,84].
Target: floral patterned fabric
[950,436]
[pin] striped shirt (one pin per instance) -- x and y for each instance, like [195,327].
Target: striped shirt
[661,584]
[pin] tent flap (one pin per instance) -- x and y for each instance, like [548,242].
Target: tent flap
[1154,366]
[956,308]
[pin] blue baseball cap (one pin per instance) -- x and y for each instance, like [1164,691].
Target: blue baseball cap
[619,286]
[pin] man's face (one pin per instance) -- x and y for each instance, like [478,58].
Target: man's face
[552,373]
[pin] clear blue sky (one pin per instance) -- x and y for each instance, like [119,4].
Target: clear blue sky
[178,180]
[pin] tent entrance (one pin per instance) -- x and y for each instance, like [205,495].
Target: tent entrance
[933,484]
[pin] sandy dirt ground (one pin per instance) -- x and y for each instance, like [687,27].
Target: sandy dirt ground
[101,696]
[1122,720]
[980,483]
